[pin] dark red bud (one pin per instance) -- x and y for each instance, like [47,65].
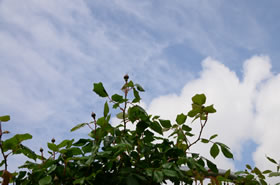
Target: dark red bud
[126,77]
[93,115]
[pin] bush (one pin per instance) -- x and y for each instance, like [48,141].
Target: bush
[119,155]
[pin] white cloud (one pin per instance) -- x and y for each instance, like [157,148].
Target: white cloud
[236,120]
[267,121]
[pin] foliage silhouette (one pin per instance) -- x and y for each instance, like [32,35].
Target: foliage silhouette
[119,155]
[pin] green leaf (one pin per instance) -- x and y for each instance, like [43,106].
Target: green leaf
[141,126]
[258,172]
[131,180]
[130,84]
[149,136]
[274,174]
[53,147]
[2,162]
[193,113]
[204,140]
[181,118]
[201,162]
[106,109]
[191,163]
[116,105]
[167,165]
[210,109]
[13,142]
[23,137]
[155,126]
[214,151]
[28,165]
[214,136]
[189,134]
[169,173]
[263,182]
[271,160]
[21,174]
[212,166]
[118,98]
[28,152]
[249,177]
[149,172]
[165,123]
[199,99]
[158,176]
[87,148]
[136,96]
[78,126]
[79,181]
[186,128]
[181,134]
[139,87]
[266,171]
[120,115]
[4,118]
[222,145]
[66,143]
[99,89]
[248,166]
[52,168]
[73,151]
[101,121]
[136,112]
[227,174]
[156,117]
[226,152]
[45,180]
[80,142]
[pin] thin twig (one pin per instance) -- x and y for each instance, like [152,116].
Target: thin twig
[90,126]
[125,104]
[1,147]
[202,125]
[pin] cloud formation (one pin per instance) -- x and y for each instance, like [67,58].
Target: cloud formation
[246,108]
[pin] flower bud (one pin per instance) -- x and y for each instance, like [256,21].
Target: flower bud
[126,77]
[41,149]
[93,115]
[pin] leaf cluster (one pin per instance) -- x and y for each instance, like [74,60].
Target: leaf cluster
[116,154]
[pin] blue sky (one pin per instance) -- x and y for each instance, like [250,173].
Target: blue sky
[51,52]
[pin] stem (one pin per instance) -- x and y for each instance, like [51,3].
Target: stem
[64,170]
[1,147]
[110,100]
[202,125]
[95,127]
[125,104]
[42,157]
[93,115]
[90,126]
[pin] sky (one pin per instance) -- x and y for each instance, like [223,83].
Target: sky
[51,53]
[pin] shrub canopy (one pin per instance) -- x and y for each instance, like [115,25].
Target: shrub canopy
[115,154]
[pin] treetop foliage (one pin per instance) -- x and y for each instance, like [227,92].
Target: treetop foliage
[119,155]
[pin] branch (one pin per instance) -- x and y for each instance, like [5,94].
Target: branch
[202,125]
[1,147]
[125,104]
